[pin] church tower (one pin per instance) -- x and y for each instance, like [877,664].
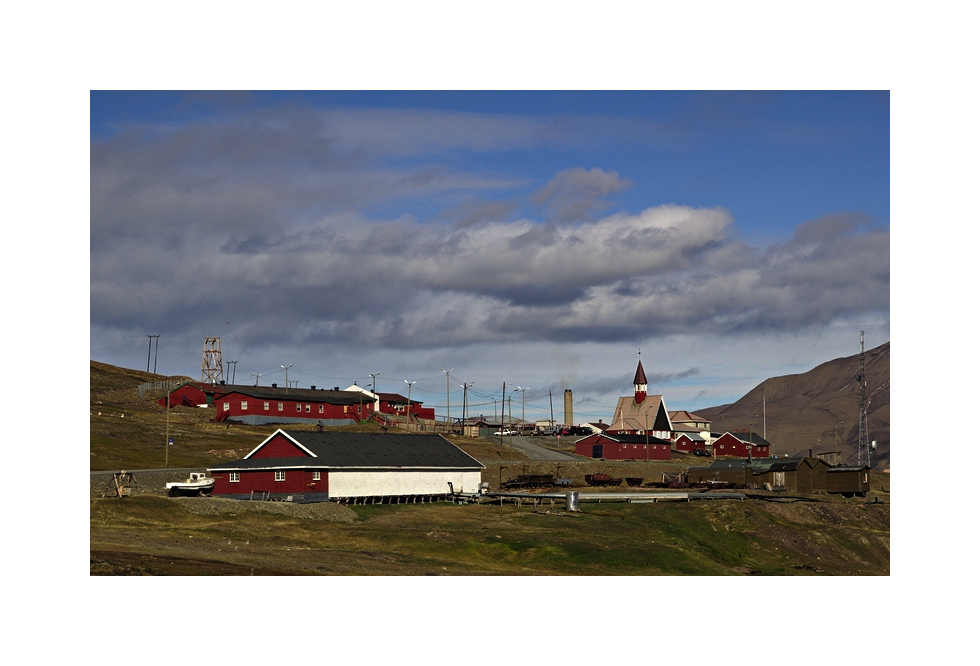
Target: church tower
[639,384]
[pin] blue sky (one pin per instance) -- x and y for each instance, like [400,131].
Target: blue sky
[540,239]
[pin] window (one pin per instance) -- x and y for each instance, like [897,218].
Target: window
[280,406]
[227,406]
[299,407]
[316,476]
[233,477]
[307,409]
[321,409]
[265,405]
[280,475]
[244,405]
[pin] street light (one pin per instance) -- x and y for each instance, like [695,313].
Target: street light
[522,390]
[448,418]
[256,377]
[286,368]
[408,410]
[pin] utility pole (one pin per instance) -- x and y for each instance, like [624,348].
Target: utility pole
[230,363]
[462,427]
[552,403]
[149,344]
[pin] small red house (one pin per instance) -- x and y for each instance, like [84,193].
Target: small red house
[741,445]
[689,442]
[191,394]
[615,446]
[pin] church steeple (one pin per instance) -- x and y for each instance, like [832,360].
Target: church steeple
[639,383]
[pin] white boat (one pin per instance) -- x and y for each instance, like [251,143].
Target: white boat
[197,484]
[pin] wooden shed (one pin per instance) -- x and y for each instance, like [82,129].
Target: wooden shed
[849,481]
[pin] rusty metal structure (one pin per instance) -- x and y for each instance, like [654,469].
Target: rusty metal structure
[211,366]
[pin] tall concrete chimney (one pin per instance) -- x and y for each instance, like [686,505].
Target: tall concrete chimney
[569,418]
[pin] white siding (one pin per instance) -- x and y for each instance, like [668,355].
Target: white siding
[380,483]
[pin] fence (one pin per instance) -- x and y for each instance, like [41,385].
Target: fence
[160,385]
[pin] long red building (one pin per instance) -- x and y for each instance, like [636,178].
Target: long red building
[615,446]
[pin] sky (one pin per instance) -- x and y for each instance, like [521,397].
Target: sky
[521,243]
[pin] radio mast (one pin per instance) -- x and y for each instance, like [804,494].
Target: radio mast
[864,446]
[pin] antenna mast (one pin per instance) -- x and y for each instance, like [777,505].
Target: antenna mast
[864,447]
[211,362]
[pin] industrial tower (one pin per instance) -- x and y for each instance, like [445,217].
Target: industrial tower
[211,363]
[864,446]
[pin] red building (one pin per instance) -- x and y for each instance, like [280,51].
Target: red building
[191,394]
[689,443]
[311,466]
[614,446]
[741,445]
[394,403]
[260,405]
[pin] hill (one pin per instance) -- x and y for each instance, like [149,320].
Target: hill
[817,410]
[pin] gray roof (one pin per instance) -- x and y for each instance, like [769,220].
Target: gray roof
[358,450]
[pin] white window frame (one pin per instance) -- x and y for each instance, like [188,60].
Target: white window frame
[265,405]
[233,477]
[280,475]
[280,406]
[307,408]
[321,409]
[227,406]
[316,476]
[244,405]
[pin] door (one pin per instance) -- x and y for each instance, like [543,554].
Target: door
[597,450]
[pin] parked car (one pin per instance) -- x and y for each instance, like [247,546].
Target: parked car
[702,452]
[506,432]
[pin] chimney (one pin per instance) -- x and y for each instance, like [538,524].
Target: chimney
[274,385]
[313,387]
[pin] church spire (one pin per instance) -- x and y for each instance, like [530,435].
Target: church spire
[639,383]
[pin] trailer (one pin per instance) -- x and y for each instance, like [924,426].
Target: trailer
[602,480]
[530,481]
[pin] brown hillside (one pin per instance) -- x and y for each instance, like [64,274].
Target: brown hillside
[802,411]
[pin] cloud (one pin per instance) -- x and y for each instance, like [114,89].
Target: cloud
[575,194]
[342,233]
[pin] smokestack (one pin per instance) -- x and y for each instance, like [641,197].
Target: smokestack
[569,418]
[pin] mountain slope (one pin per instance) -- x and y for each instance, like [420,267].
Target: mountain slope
[802,411]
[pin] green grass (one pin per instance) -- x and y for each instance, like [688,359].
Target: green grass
[698,538]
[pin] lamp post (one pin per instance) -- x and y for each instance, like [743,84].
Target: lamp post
[256,377]
[448,417]
[522,390]
[408,409]
[286,368]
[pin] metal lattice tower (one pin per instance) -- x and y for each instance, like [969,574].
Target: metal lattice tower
[211,362]
[864,446]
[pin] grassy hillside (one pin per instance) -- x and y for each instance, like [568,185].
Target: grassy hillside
[130,432]
[818,409]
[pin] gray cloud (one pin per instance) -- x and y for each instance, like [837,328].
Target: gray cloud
[259,226]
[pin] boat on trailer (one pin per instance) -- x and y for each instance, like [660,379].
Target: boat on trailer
[199,483]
